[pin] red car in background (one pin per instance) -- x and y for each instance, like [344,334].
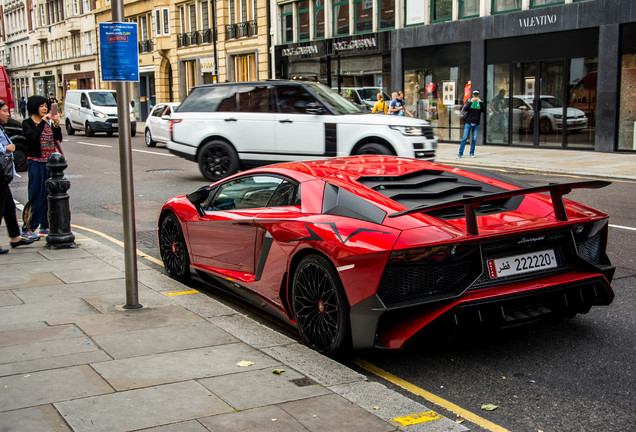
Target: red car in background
[374,251]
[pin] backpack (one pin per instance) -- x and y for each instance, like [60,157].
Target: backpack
[463,114]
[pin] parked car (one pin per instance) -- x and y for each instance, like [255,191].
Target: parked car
[363,97]
[93,111]
[158,123]
[232,126]
[377,251]
[13,129]
[550,114]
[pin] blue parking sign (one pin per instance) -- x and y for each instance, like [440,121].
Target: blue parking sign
[118,53]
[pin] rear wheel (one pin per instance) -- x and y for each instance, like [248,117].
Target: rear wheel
[217,160]
[374,149]
[148,139]
[69,128]
[320,306]
[173,249]
[545,126]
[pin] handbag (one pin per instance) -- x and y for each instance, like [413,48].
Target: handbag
[463,114]
[6,168]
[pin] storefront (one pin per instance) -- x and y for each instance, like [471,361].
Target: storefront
[44,83]
[547,75]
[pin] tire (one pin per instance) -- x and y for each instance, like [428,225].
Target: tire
[173,249]
[545,126]
[320,306]
[109,133]
[217,160]
[148,139]
[69,128]
[374,149]
[89,132]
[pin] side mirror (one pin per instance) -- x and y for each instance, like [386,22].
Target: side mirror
[314,108]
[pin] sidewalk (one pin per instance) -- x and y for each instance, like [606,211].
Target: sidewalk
[72,359]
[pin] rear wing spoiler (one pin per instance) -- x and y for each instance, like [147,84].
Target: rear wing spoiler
[470,203]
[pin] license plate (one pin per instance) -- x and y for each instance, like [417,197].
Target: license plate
[519,264]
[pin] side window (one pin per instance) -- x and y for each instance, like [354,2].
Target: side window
[228,103]
[285,195]
[294,99]
[156,111]
[85,101]
[253,99]
[204,99]
[247,193]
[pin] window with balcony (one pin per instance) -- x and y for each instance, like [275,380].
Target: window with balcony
[303,20]
[363,13]
[386,15]
[341,18]
[319,19]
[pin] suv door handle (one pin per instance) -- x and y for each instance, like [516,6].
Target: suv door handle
[285,121]
[230,119]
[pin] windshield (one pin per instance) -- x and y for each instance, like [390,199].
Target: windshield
[550,102]
[369,94]
[103,98]
[333,99]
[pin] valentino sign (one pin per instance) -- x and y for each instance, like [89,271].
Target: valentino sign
[537,21]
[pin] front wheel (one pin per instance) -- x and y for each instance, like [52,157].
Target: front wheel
[217,160]
[69,128]
[148,139]
[320,306]
[89,132]
[173,249]
[374,149]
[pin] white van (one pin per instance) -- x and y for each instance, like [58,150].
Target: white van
[93,111]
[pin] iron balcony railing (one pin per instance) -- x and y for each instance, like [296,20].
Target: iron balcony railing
[242,29]
[146,46]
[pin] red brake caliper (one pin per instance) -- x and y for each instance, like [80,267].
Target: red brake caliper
[321,306]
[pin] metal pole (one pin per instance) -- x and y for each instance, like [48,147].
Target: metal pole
[127,193]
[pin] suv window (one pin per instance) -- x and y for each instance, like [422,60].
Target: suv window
[205,99]
[253,99]
[294,99]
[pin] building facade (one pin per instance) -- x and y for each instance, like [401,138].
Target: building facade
[553,73]
[14,52]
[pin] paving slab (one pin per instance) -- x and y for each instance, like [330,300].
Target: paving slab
[22,391]
[145,371]
[21,256]
[63,254]
[22,326]
[333,413]
[131,319]
[8,298]
[161,340]
[143,408]
[114,302]
[63,311]
[263,419]
[13,280]
[186,426]
[250,331]
[262,387]
[201,304]
[74,290]
[43,418]
[321,369]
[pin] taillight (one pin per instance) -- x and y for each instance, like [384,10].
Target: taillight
[434,254]
[172,122]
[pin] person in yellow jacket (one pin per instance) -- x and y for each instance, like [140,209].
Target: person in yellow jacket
[380,107]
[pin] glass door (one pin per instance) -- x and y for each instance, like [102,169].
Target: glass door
[521,104]
[551,119]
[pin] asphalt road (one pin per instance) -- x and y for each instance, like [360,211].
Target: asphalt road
[574,375]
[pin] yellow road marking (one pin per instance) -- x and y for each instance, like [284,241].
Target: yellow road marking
[120,243]
[178,293]
[415,418]
[474,418]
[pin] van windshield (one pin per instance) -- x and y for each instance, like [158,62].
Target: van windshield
[333,99]
[103,98]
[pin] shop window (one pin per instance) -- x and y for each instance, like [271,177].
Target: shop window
[341,18]
[303,20]
[363,13]
[468,8]
[581,103]
[539,3]
[319,19]
[627,104]
[287,22]
[245,67]
[498,103]
[505,5]
[386,15]
[441,10]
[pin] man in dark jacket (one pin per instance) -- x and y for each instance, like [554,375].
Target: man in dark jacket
[475,106]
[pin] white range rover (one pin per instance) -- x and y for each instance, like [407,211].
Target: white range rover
[233,126]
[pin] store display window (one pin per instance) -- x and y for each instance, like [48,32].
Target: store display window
[627,104]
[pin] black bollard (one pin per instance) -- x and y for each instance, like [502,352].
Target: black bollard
[59,213]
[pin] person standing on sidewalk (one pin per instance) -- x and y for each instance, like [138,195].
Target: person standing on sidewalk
[7,205]
[474,106]
[22,107]
[41,130]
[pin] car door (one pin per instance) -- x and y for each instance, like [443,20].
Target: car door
[224,237]
[163,125]
[299,122]
[153,120]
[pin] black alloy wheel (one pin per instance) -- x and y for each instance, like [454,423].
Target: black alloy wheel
[320,306]
[174,252]
[148,139]
[69,128]
[374,149]
[217,160]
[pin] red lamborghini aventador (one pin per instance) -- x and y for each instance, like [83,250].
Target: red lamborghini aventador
[372,251]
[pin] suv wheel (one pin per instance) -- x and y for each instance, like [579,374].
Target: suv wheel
[217,160]
[69,128]
[374,149]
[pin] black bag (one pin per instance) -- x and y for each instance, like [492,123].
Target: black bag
[463,114]
[6,168]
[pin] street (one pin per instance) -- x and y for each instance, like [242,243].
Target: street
[574,375]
